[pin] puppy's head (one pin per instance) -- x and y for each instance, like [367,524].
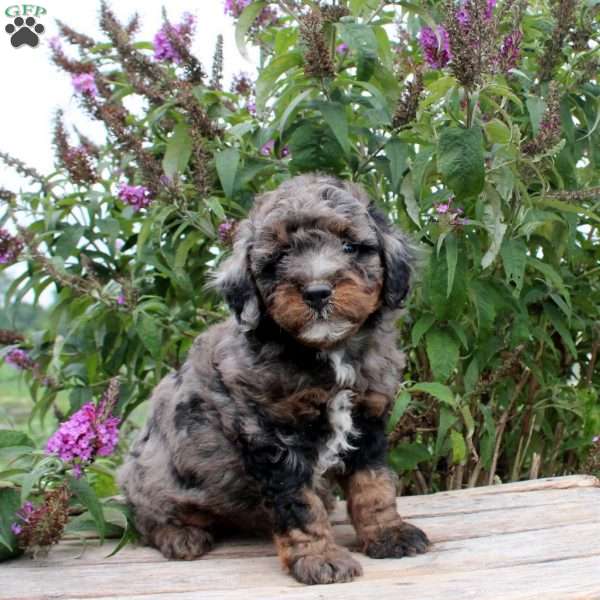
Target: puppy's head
[318,258]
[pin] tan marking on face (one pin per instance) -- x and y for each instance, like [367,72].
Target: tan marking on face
[288,308]
[355,301]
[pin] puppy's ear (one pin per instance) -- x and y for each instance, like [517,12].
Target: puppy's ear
[235,283]
[397,259]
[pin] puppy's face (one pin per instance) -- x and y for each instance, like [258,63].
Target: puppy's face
[318,259]
[320,279]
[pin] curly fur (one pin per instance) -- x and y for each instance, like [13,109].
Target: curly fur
[284,398]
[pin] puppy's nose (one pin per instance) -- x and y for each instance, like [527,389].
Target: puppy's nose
[317,295]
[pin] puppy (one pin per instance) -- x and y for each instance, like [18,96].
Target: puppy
[288,397]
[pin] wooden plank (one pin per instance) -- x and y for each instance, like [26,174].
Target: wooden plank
[462,520]
[576,579]
[540,540]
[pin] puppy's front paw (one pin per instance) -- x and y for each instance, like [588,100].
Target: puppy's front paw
[183,543]
[399,541]
[333,566]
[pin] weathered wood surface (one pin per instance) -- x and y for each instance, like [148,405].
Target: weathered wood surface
[534,540]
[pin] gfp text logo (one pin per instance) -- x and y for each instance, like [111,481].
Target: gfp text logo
[24,28]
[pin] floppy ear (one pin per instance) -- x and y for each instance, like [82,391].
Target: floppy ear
[235,283]
[397,257]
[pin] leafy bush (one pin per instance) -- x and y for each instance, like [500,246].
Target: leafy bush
[475,127]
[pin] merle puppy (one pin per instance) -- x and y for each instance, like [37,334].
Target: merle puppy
[290,396]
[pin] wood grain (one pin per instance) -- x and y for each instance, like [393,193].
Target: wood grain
[526,540]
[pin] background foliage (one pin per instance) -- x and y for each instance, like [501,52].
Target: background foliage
[491,163]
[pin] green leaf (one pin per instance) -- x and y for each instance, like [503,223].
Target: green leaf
[496,228]
[12,437]
[459,448]
[442,352]
[244,22]
[179,150]
[397,153]
[569,207]
[334,115]
[468,420]
[361,40]
[451,260]
[314,148]
[291,107]
[421,327]
[9,504]
[69,239]
[505,92]
[446,421]
[227,163]
[438,390]
[410,202]
[535,107]
[149,332]
[82,490]
[497,132]
[34,476]
[435,286]
[184,248]
[407,456]
[460,160]
[265,85]
[514,259]
[399,408]
[437,90]
[558,322]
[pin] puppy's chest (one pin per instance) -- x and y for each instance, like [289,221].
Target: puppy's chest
[339,414]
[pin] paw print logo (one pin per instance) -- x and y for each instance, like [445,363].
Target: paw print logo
[24,31]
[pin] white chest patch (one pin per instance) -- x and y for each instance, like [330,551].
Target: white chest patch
[345,374]
[340,418]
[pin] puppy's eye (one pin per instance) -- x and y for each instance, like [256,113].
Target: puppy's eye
[350,248]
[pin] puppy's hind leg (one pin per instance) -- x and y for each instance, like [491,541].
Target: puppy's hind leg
[184,537]
[183,542]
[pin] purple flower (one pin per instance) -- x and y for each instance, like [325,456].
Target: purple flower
[251,106]
[235,7]
[84,83]
[135,195]
[121,301]
[163,47]
[489,10]
[435,46]
[19,359]
[91,431]
[510,50]
[242,84]
[285,151]
[24,515]
[38,527]
[267,149]
[342,48]
[462,15]
[226,230]
[10,247]
[449,214]
[54,43]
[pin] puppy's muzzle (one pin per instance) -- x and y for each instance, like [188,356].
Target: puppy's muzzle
[317,295]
